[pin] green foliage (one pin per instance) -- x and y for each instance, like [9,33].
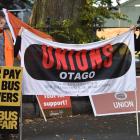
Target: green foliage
[6,4]
[81,30]
[11,4]
[40,25]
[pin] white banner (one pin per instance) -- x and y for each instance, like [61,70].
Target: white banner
[77,69]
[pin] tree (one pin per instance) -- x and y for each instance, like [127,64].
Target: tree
[72,20]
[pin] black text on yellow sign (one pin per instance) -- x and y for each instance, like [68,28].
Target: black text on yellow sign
[9,119]
[10,86]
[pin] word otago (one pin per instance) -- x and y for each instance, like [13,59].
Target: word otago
[77,60]
[8,119]
[76,75]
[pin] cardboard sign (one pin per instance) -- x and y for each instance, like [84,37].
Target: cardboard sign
[55,105]
[54,102]
[10,98]
[10,86]
[116,103]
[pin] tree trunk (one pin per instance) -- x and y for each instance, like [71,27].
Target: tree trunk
[55,9]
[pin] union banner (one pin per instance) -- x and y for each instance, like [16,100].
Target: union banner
[77,69]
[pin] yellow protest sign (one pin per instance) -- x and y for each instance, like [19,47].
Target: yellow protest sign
[10,86]
[8,119]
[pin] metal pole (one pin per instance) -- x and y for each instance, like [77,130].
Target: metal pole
[119,19]
[137,115]
[21,125]
[18,10]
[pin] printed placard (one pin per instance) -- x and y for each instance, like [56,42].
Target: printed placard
[116,103]
[10,98]
[54,102]
[10,86]
[55,105]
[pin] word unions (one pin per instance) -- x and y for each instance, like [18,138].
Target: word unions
[76,65]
